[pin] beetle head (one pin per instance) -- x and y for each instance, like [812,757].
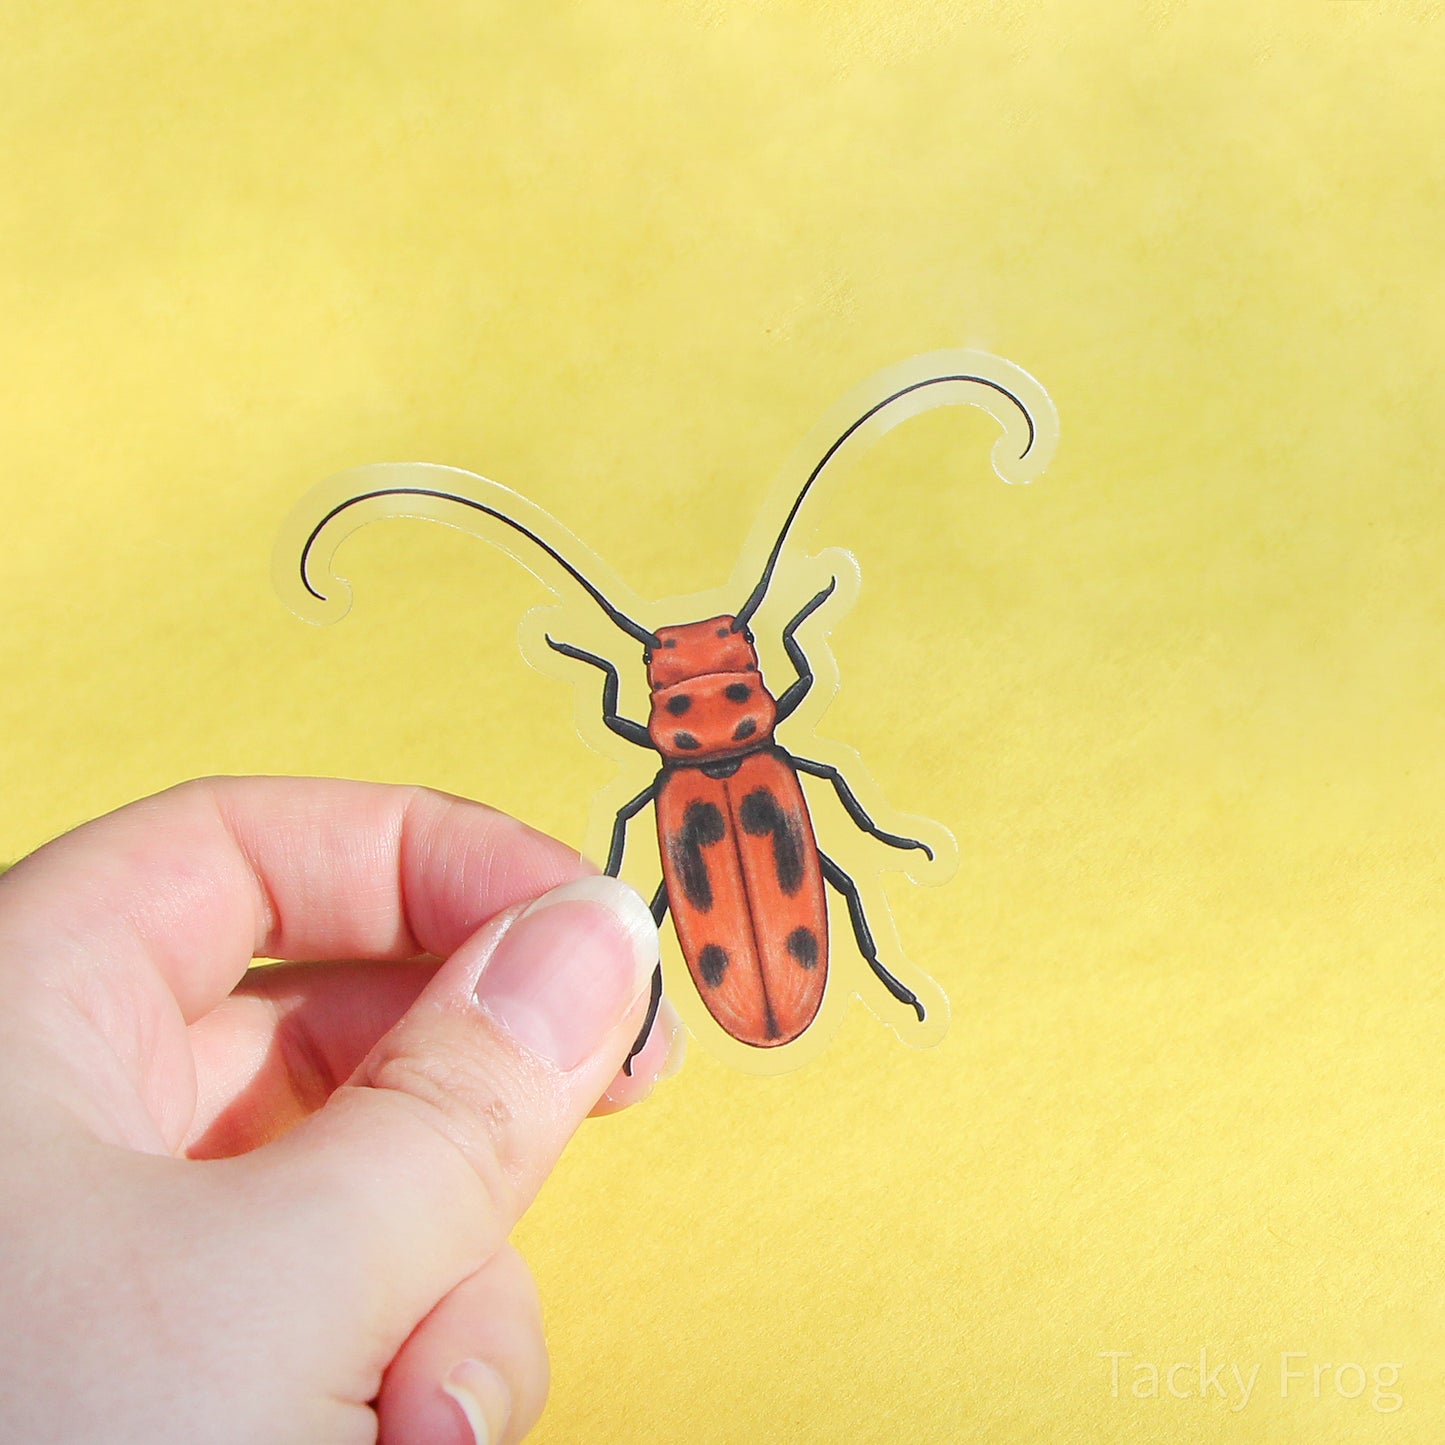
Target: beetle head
[697,649]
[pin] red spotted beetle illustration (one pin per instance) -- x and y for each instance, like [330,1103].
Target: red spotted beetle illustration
[742,873]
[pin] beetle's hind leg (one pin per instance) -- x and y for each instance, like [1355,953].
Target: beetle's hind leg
[849,889]
[659,912]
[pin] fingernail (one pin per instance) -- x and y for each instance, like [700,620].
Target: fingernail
[676,1053]
[570,968]
[481,1394]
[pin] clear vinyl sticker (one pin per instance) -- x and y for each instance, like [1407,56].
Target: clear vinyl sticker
[770,842]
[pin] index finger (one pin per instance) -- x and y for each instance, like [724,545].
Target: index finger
[185,888]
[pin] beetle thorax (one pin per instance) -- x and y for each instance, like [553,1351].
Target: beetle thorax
[708,697]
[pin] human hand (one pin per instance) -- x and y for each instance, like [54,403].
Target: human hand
[274,1206]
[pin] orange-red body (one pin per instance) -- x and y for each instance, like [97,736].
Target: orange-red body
[742,874]
[739,858]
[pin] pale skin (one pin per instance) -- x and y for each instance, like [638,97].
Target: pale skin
[274,1205]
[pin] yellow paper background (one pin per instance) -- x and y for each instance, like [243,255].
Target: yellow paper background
[1180,700]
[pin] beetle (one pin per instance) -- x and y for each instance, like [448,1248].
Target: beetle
[742,873]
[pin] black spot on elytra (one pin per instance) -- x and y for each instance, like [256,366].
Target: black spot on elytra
[711,963]
[702,826]
[669,642]
[737,692]
[760,815]
[685,741]
[723,631]
[745,729]
[803,945]
[679,704]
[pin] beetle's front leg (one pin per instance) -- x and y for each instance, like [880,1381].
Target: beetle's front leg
[849,889]
[787,704]
[854,808]
[624,727]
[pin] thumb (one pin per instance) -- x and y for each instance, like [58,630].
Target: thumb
[411,1176]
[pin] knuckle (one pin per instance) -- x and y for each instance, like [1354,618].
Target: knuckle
[465,1102]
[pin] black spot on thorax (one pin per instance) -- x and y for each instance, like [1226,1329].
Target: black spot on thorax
[720,767]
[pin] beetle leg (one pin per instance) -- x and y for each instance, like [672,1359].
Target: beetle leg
[659,912]
[799,690]
[625,814]
[624,727]
[853,807]
[849,889]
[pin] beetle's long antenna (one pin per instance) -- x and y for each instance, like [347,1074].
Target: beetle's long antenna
[758,592]
[633,629]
